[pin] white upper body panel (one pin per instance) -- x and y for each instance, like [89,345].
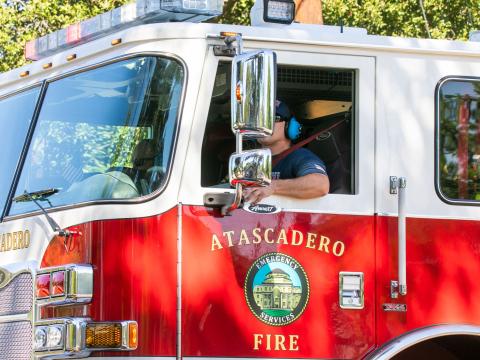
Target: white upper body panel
[395,106]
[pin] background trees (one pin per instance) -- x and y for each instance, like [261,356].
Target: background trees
[23,20]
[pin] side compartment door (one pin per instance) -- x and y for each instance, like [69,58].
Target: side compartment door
[298,280]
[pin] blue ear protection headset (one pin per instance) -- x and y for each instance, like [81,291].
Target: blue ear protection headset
[293,129]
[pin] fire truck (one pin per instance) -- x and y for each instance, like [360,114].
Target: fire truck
[128,143]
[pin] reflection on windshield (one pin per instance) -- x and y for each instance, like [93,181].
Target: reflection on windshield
[104,134]
[459,145]
[16,112]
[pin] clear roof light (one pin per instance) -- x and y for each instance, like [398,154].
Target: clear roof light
[152,5]
[52,40]
[124,14]
[195,6]
[141,11]
[90,27]
[43,43]
[279,11]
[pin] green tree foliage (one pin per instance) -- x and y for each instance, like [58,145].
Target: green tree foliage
[438,19]
[236,12]
[23,20]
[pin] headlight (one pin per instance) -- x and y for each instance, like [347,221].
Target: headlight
[54,337]
[78,337]
[40,338]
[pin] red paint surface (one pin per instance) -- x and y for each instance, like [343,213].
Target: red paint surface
[443,263]
[217,320]
[134,276]
[135,279]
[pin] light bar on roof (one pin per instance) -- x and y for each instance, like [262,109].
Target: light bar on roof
[139,12]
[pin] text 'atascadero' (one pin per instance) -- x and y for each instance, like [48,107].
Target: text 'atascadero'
[283,237]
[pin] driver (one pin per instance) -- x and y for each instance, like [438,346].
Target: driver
[299,174]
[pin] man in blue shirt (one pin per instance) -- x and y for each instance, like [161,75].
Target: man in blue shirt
[300,174]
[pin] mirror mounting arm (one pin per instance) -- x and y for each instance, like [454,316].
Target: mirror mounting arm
[225,202]
[229,40]
[227,208]
[228,49]
[239,142]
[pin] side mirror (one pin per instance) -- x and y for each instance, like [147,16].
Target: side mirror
[253,96]
[251,168]
[253,93]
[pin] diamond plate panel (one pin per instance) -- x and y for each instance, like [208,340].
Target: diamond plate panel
[16,340]
[17,296]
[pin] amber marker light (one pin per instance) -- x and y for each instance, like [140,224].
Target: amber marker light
[111,335]
[103,336]
[42,286]
[116,42]
[24,73]
[229,33]
[71,57]
[58,283]
[238,92]
[133,335]
[47,66]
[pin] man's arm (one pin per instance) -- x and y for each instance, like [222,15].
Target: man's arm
[304,187]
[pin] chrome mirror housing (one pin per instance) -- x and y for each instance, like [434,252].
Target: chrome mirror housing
[251,168]
[253,93]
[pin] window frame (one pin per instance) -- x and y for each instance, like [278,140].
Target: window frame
[353,138]
[361,202]
[137,200]
[438,189]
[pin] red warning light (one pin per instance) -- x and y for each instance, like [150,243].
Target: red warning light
[58,283]
[73,33]
[42,286]
[31,50]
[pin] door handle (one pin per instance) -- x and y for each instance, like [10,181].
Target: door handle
[398,186]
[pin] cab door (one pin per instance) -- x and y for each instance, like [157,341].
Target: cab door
[291,278]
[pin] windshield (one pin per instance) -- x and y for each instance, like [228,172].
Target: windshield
[16,113]
[104,134]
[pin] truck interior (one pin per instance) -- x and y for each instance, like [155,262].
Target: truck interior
[322,100]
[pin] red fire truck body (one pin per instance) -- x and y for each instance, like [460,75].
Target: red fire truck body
[289,278]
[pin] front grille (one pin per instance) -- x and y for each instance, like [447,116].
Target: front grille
[16,340]
[17,296]
[16,336]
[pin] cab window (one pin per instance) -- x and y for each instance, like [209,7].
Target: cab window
[16,114]
[319,98]
[103,134]
[458,142]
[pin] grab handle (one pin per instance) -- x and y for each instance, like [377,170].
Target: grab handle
[398,186]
